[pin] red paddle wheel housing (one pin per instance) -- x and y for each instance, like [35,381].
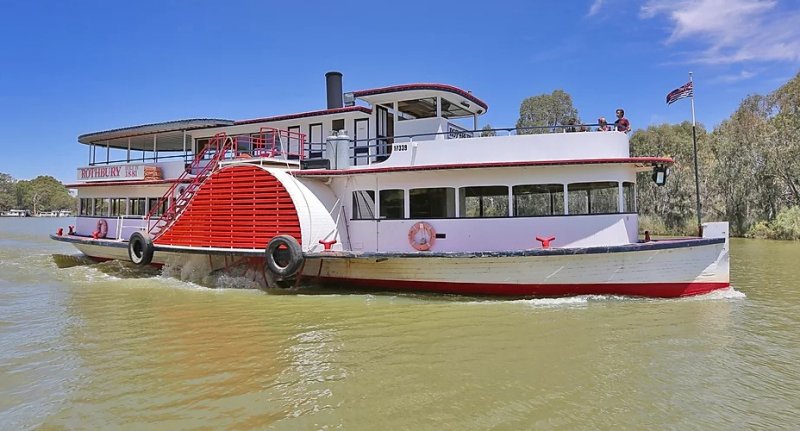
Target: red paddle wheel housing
[239,207]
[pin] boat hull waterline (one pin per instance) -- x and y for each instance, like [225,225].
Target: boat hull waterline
[660,269]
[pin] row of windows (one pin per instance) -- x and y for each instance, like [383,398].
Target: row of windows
[117,207]
[493,201]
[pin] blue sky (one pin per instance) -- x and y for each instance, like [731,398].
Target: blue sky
[70,68]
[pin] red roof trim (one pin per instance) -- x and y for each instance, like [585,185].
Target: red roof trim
[626,160]
[422,86]
[123,183]
[306,114]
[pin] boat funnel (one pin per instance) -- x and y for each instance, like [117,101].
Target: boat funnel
[333,84]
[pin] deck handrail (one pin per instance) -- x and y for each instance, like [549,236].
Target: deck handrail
[317,148]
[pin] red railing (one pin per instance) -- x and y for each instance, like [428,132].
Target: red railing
[270,142]
[217,148]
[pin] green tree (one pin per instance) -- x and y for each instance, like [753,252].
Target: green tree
[8,192]
[674,204]
[43,193]
[741,184]
[487,131]
[545,111]
[785,145]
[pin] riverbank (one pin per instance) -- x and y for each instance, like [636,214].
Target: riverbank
[786,226]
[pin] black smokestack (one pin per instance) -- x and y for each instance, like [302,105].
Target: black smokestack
[333,83]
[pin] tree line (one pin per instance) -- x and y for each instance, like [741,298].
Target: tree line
[749,165]
[43,193]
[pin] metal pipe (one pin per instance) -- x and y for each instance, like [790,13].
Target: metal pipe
[333,84]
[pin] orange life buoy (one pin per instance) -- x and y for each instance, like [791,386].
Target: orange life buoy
[102,228]
[421,236]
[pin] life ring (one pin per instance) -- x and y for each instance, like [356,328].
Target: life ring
[421,236]
[140,248]
[102,228]
[284,256]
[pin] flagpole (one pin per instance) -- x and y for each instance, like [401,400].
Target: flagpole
[696,170]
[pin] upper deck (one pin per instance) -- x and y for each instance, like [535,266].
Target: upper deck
[409,126]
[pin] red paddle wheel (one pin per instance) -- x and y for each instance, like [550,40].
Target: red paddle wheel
[240,207]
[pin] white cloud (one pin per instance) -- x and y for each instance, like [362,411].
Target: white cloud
[741,76]
[596,5]
[731,31]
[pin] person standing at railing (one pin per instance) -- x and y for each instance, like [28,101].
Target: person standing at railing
[622,124]
[571,125]
[602,125]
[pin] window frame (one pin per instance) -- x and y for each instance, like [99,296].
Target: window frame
[449,204]
[555,192]
[356,214]
[481,198]
[587,187]
[382,204]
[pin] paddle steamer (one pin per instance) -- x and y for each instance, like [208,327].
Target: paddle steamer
[387,188]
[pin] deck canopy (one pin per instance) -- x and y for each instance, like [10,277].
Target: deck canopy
[419,100]
[168,136]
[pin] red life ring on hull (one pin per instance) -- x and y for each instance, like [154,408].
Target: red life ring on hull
[102,229]
[421,236]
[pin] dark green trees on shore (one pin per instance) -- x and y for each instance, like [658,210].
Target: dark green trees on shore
[43,193]
[749,169]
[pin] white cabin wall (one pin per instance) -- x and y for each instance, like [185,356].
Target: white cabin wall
[85,225]
[516,148]
[495,234]
[304,123]
[363,235]
[419,127]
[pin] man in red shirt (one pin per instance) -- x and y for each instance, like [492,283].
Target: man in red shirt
[622,123]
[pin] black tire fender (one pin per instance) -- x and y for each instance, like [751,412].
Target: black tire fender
[140,248]
[284,256]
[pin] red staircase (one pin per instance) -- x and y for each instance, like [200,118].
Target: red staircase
[219,146]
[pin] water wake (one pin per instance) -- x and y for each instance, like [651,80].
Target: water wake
[69,260]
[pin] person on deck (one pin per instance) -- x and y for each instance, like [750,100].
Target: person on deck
[571,125]
[602,125]
[622,124]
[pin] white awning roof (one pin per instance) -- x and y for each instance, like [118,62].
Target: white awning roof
[168,136]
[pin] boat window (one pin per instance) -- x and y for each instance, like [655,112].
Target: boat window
[153,202]
[432,203]
[101,206]
[117,207]
[417,108]
[593,198]
[453,110]
[392,204]
[86,206]
[538,200]
[136,207]
[629,197]
[314,141]
[363,204]
[200,144]
[486,201]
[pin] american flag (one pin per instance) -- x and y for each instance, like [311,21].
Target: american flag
[686,90]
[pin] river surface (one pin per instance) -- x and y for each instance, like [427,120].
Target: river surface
[106,346]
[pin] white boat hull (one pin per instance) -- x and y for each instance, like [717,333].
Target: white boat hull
[668,272]
[669,268]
